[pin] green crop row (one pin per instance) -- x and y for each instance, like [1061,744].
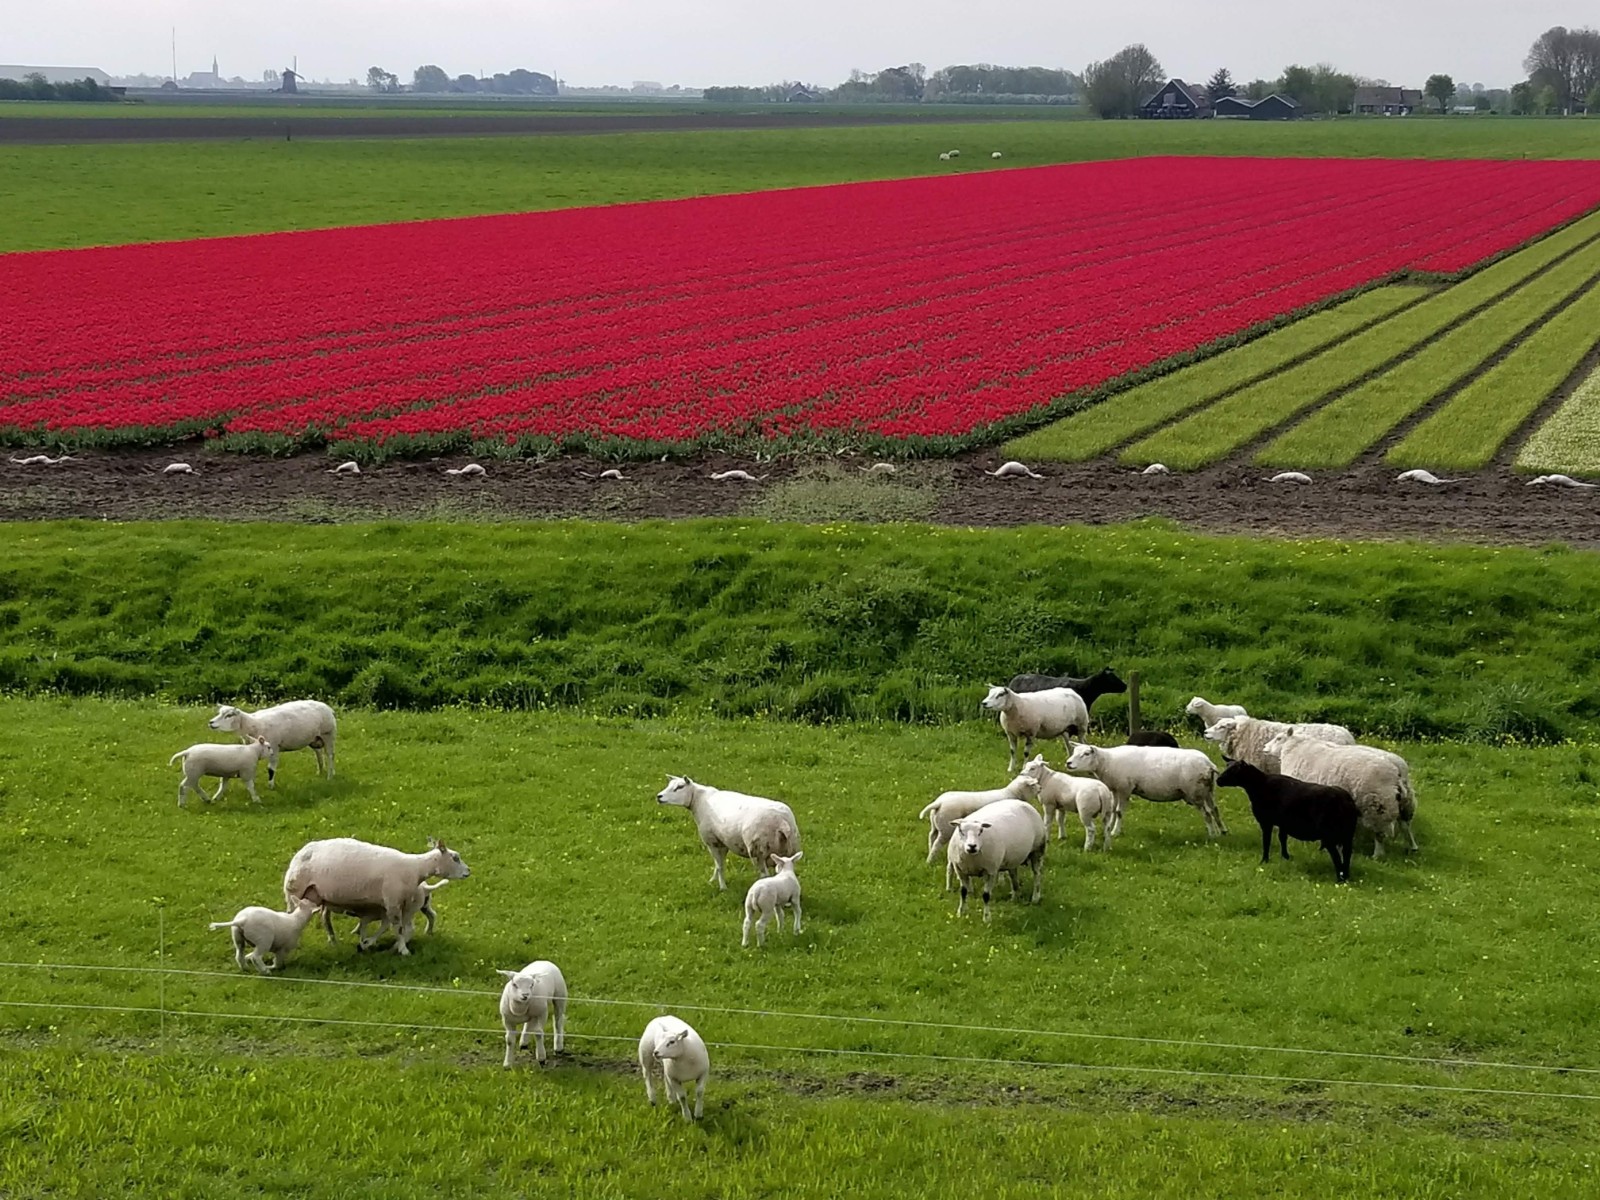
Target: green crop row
[1474,424]
[1107,425]
[1335,435]
[1570,440]
[1239,419]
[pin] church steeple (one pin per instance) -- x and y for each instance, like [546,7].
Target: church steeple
[214,66]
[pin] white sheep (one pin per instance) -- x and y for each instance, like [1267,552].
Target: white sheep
[530,997]
[767,896]
[268,931]
[998,837]
[1051,713]
[1210,713]
[751,827]
[949,807]
[1246,738]
[1060,793]
[221,762]
[424,907]
[955,154]
[944,156]
[994,154]
[357,877]
[297,725]
[1158,773]
[1378,780]
[681,1054]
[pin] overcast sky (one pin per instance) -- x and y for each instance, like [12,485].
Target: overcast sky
[700,42]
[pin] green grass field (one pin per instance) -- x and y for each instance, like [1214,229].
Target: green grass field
[1569,442]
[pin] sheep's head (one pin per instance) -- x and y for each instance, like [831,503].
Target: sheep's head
[780,864]
[1194,706]
[449,863]
[1274,746]
[1235,773]
[672,1045]
[1222,732]
[968,835]
[263,748]
[227,719]
[1034,770]
[520,985]
[1108,680]
[995,701]
[679,791]
[1084,757]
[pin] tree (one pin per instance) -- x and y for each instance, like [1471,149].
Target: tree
[1441,88]
[1592,102]
[380,80]
[1220,85]
[1567,61]
[1522,98]
[430,79]
[1332,90]
[1298,85]
[1120,84]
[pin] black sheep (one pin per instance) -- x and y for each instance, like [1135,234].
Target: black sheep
[1091,688]
[1153,737]
[1307,812]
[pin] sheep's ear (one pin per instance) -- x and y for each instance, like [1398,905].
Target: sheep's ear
[507,974]
[985,825]
[799,854]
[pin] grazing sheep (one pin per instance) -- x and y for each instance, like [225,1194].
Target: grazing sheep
[1421,476]
[366,916]
[998,837]
[1246,738]
[944,156]
[949,807]
[470,471]
[768,895]
[955,154]
[1060,793]
[1052,713]
[1290,477]
[529,997]
[681,1054]
[357,877]
[1536,481]
[1210,713]
[1157,773]
[752,827]
[994,154]
[268,931]
[297,725]
[1379,781]
[1308,812]
[1153,737]
[1090,688]
[1014,470]
[222,763]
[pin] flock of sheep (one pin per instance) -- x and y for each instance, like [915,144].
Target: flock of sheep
[1311,782]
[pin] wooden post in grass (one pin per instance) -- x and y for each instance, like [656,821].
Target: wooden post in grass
[1133,703]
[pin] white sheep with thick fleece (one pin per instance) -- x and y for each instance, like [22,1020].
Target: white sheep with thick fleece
[1246,738]
[767,896]
[297,725]
[751,827]
[221,762]
[1378,780]
[268,931]
[1210,713]
[532,996]
[1060,793]
[672,1045]
[356,877]
[945,809]
[998,837]
[1052,713]
[1158,773]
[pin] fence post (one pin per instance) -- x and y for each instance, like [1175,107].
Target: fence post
[1133,703]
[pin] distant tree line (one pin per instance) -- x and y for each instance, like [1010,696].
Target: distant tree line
[34,86]
[910,83]
[435,79]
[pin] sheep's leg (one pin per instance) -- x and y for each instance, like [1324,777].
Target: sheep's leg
[183,786]
[797,916]
[538,1040]
[327,746]
[1088,831]
[238,946]
[1377,845]
[222,786]
[718,856]
[933,833]
[699,1097]
[1346,849]
[1011,759]
[250,786]
[744,938]
[561,1024]
[1333,852]
[961,908]
[949,875]
[1283,841]
[644,1069]
[327,923]
[988,894]
[1411,838]
[1011,877]
[761,929]
[511,1042]
[1037,862]
[255,957]
[402,927]
[1266,843]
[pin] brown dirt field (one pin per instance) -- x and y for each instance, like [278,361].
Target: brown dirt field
[1491,507]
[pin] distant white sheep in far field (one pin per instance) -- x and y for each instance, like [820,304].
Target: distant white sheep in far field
[356,877]
[944,156]
[1290,477]
[178,468]
[736,476]
[36,460]
[347,468]
[994,154]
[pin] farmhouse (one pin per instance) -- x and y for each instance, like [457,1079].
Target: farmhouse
[1389,101]
[1177,100]
[1276,107]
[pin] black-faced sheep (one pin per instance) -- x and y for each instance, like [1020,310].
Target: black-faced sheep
[1307,812]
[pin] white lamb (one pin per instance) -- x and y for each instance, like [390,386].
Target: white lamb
[949,807]
[530,997]
[357,877]
[1379,780]
[1210,713]
[222,762]
[681,1054]
[1246,738]
[1157,773]
[268,931]
[293,726]
[1060,793]
[367,915]
[768,895]
[998,837]
[752,827]
[1055,712]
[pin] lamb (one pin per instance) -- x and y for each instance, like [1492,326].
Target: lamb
[1157,773]
[752,827]
[1210,713]
[768,895]
[1309,812]
[949,807]
[268,931]
[1091,687]
[528,998]
[998,837]
[1054,712]
[293,726]
[357,877]
[681,1054]
[424,898]
[1379,781]
[222,762]
[1246,738]
[1060,793]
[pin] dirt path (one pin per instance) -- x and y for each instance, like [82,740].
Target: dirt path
[1490,507]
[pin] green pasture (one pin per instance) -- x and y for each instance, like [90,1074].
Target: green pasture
[1569,442]
[80,195]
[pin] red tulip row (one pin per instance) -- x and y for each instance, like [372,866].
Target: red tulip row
[927,308]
